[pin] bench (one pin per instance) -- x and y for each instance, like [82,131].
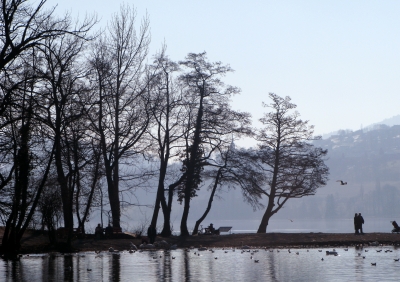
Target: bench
[217,231]
[224,229]
[62,232]
[117,230]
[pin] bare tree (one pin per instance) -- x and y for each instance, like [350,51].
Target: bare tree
[211,122]
[122,116]
[63,87]
[25,26]
[168,114]
[293,166]
[25,32]
[30,162]
[88,173]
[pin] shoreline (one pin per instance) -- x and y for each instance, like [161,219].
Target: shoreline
[37,242]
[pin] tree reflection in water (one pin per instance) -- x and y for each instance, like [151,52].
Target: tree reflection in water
[115,273]
[188,266]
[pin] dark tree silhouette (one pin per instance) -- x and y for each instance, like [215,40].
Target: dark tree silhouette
[63,86]
[210,122]
[25,26]
[29,164]
[168,114]
[121,99]
[293,166]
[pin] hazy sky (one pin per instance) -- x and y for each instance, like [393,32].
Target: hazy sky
[339,61]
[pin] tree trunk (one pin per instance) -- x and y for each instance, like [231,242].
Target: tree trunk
[160,192]
[184,229]
[210,200]
[264,222]
[191,166]
[114,205]
[167,207]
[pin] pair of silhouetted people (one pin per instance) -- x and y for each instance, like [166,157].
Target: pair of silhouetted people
[358,222]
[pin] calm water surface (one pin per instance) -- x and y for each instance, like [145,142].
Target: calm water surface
[220,265]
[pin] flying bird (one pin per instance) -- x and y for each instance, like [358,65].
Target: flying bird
[341,182]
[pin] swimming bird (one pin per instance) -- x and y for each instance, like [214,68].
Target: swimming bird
[322,259]
[331,253]
[373,263]
[173,257]
[256,260]
[396,259]
[215,258]
[89,269]
[341,182]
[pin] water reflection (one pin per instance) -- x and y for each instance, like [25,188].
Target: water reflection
[115,273]
[221,265]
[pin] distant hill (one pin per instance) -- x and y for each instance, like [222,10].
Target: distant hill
[390,121]
[395,120]
[364,155]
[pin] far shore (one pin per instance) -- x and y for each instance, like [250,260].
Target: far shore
[37,242]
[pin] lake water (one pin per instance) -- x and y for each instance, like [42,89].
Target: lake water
[306,225]
[220,265]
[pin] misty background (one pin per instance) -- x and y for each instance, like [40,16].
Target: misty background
[337,60]
[367,159]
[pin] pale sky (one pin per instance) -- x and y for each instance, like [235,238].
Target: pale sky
[339,61]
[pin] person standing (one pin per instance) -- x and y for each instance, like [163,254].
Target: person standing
[361,221]
[356,228]
[151,233]
[98,232]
